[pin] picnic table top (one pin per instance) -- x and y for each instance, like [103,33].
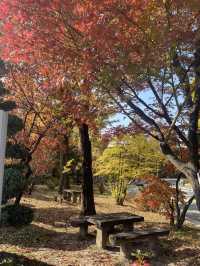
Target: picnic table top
[114,219]
[72,190]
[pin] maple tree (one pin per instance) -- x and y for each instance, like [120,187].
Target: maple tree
[127,158]
[159,196]
[45,157]
[53,162]
[53,44]
[33,109]
[147,54]
[125,49]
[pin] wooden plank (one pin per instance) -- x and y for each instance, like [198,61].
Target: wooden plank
[78,221]
[138,234]
[72,191]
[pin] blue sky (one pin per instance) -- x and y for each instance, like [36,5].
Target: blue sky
[120,119]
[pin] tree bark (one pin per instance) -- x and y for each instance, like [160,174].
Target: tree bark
[188,169]
[61,181]
[64,179]
[87,203]
[178,210]
[193,128]
[181,220]
[27,176]
[181,214]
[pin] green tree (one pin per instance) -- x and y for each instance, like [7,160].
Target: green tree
[128,158]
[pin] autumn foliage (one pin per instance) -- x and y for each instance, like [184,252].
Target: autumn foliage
[90,56]
[159,196]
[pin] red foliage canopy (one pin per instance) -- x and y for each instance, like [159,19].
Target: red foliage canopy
[41,34]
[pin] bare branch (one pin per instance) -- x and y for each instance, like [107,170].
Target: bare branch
[141,101]
[140,113]
[166,115]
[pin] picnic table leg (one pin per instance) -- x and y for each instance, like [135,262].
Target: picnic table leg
[154,244]
[125,251]
[128,226]
[68,196]
[79,198]
[101,237]
[74,198]
[83,230]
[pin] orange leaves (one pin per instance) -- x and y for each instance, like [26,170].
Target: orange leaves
[83,38]
[153,204]
[158,196]
[113,29]
[43,34]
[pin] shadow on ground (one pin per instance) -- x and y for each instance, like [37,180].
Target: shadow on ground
[10,259]
[36,237]
[51,215]
[38,196]
[178,249]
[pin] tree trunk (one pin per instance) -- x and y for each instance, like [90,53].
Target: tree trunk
[189,169]
[180,215]
[61,181]
[178,210]
[31,187]
[87,204]
[181,220]
[64,179]
[195,186]
[193,137]
[76,175]
[27,176]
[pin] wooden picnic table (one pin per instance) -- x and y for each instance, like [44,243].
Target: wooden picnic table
[105,224]
[72,195]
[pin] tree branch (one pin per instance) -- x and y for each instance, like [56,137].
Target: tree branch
[167,117]
[141,113]
[141,101]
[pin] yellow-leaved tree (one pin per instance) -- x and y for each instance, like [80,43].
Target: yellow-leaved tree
[128,158]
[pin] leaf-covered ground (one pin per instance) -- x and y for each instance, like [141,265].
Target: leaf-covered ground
[44,243]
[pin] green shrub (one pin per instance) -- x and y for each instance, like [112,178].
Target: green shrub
[17,215]
[7,262]
[14,183]
[11,259]
[52,182]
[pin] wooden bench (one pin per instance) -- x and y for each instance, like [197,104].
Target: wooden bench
[105,225]
[82,223]
[126,240]
[72,195]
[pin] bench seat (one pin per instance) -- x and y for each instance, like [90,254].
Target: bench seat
[126,240]
[137,234]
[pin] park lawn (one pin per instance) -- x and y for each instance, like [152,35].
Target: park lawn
[42,243]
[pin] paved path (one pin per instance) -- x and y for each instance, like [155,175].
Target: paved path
[193,215]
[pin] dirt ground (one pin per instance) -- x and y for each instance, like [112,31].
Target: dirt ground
[44,243]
